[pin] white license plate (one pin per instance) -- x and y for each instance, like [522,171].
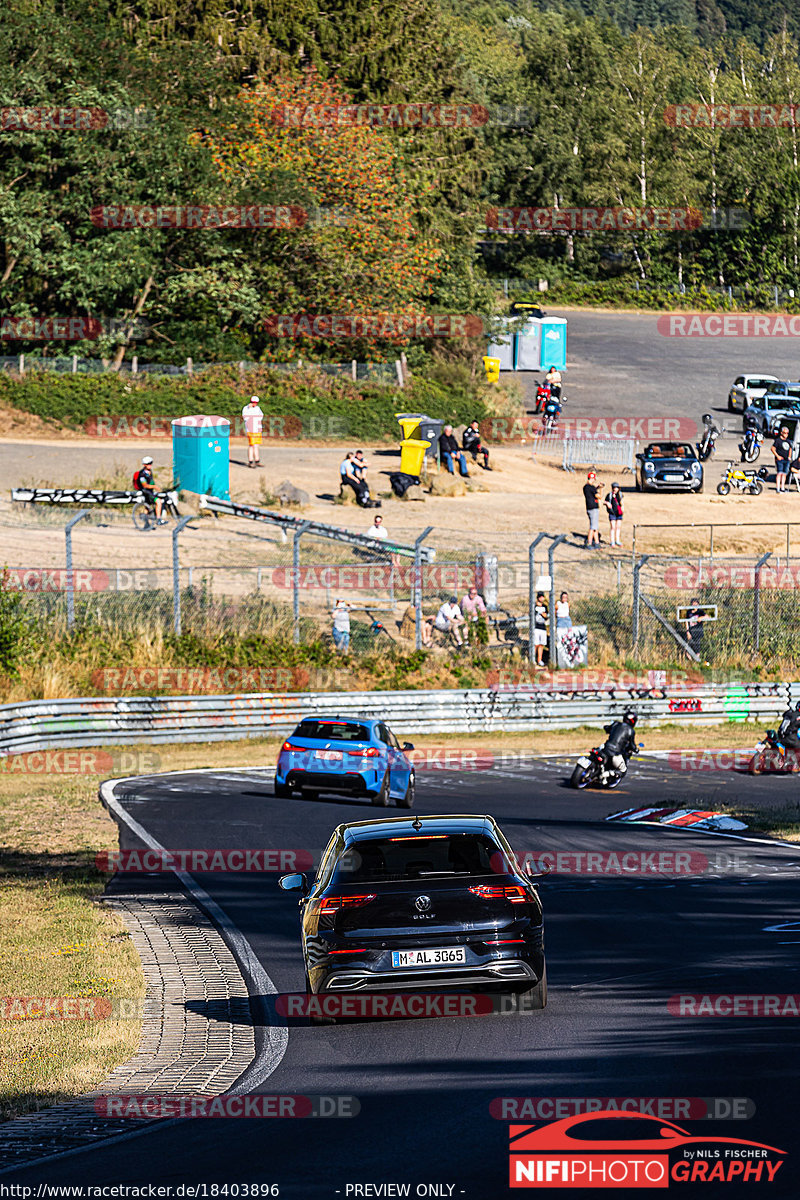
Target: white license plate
[673,479]
[328,755]
[584,762]
[442,957]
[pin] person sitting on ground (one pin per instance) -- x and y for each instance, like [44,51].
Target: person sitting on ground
[351,472]
[449,619]
[471,441]
[449,452]
[144,482]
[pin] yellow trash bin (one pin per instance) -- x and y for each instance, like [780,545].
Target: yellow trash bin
[412,452]
[408,422]
[492,366]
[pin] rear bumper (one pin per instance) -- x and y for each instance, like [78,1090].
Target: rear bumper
[513,972]
[353,784]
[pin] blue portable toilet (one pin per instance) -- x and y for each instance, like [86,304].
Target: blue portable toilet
[201,455]
[503,346]
[553,351]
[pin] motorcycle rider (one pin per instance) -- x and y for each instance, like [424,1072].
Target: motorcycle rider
[789,731]
[621,741]
[751,431]
[710,434]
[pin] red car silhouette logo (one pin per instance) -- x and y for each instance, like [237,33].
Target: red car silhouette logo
[639,1132]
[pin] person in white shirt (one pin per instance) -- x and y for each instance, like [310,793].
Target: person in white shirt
[449,619]
[341,626]
[376,530]
[563,619]
[553,378]
[253,421]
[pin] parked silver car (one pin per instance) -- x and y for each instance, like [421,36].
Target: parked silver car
[745,388]
[769,410]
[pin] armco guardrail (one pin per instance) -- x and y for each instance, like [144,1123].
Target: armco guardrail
[50,724]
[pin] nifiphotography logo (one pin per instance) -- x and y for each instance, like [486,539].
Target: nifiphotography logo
[613,1149]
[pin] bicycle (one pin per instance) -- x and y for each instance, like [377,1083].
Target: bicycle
[144,514]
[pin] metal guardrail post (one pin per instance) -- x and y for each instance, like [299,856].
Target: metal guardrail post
[532,590]
[176,574]
[296,578]
[637,598]
[757,602]
[418,587]
[562,537]
[70,577]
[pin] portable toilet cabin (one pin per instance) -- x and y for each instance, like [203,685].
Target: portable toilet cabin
[553,352]
[502,347]
[528,346]
[201,455]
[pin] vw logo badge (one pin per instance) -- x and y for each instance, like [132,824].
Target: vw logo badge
[422,903]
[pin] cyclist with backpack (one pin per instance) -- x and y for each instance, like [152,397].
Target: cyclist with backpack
[144,482]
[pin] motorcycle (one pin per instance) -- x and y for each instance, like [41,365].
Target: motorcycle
[743,481]
[550,415]
[705,447]
[542,396]
[750,445]
[596,768]
[772,755]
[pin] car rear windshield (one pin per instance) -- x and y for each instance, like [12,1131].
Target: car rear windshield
[768,384]
[420,857]
[333,731]
[669,450]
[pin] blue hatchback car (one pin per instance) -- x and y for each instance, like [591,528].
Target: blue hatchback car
[356,755]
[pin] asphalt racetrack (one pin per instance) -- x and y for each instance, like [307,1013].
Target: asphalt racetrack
[617,950]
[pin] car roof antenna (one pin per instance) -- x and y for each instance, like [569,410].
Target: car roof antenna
[416,823]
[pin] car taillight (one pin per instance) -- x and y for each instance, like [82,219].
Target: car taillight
[291,746]
[367,752]
[504,941]
[332,904]
[512,892]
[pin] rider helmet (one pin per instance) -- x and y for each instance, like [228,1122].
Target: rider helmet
[630,716]
[707,418]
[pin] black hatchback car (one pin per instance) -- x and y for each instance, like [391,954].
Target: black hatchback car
[669,466]
[435,902]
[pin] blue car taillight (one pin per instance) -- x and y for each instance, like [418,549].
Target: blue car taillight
[367,752]
[291,747]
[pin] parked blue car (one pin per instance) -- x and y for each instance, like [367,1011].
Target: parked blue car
[356,755]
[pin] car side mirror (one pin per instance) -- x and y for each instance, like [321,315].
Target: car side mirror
[408,745]
[293,883]
[529,871]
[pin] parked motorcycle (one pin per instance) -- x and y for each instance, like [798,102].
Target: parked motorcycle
[711,431]
[772,755]
[542,396]
[743,481]
[595,768]
[750,445]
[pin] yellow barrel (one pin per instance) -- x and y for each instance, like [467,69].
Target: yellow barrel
[492,366]
[412,452]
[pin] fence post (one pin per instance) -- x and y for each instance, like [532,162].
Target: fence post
[70,578]
[711,542]
[176,574]
[636,596]
[296,578]
[532,590]
[562,537]
[418,587]
[757,602]
[74,364]
[22,364]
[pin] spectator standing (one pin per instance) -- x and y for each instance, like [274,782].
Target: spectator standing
[616,508]
[450,453]
[471,441]
[376,529]
[695,633]
[540,628]
[253,424]
[591,496]
[449,619]
[782,451]
[563,619]
[553,380]
[341,626]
